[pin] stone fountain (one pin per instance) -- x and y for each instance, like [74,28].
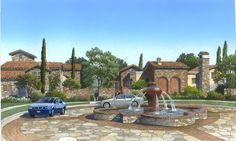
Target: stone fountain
[154,113]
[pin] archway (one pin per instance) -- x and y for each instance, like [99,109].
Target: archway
[162,82]
[174,85]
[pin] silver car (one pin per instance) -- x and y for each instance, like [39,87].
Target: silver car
[122,100]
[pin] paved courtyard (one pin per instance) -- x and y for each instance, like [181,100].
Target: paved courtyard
[75,127]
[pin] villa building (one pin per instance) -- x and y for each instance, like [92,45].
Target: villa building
[23,62]
[172,76]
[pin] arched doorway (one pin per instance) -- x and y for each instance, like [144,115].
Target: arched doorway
[162,82]
[174,85]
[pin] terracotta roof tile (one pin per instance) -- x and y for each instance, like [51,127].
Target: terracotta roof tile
[21,65]
[169,64]
[10,75]
[68,66]
[23,52]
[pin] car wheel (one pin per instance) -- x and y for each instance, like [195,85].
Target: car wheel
[62,111]
[106,105]
[52,113]
[31,115]
[134,104]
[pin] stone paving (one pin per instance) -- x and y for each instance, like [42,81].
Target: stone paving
[59,129]
[225,127]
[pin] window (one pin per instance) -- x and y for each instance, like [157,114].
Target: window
[121,96]
[129,96]
[193,80]
[212,75]
[34,73]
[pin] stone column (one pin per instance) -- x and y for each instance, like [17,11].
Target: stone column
[204,73]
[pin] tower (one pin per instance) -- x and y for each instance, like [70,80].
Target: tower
[204,73]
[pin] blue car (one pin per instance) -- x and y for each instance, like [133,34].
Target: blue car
[47,106]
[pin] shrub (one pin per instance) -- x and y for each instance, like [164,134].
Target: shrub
[54,81]
[56,93]
[215,96]
[103,97]
[71,83]
[230,97]
[220,89]
[36,96]
[193,93]
[15,100]
[77,98]
[139,84]
[136,92]
[178,95]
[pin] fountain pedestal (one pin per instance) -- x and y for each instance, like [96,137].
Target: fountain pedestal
[152,93]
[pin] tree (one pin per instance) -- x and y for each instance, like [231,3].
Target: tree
[140,84]
[218,58]
[140,64]
[71,83]
[225,51]
[86,79]
[189,59]
[43,66]
[54,81]
[122,63]
[73,59]
[28,82]
[103,66]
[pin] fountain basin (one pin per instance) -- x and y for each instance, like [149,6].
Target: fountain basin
[184,116]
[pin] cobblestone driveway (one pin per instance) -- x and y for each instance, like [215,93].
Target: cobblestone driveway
[69,125]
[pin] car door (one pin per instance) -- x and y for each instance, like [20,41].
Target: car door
[57,106]
[128,98]
[120,100]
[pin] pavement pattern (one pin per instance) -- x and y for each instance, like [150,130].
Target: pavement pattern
[69,127]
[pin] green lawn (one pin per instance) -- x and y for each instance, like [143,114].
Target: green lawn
[5,105]
[200,102]
[13,111]
[24,108]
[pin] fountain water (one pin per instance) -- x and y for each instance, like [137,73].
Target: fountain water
[157,106]
[151,115]
[130,105]
[172,104]
[164,103]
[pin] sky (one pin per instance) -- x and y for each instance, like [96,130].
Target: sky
[127,28]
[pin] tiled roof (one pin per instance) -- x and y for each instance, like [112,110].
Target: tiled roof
[10,75]
[131,66]
[54,65]
[196,69]
[169,64]
[23,52]
[21,65]
[11,69]
[68,66]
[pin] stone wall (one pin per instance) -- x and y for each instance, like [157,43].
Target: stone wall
[21,57]
[8,88]
[204,73]
[86,93]
[82,93]
[128,75]
[231,91]
[168,74]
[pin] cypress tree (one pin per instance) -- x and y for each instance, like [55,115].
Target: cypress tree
[43,66]
[73,64]
[218,59]
[225,50]
[141,61]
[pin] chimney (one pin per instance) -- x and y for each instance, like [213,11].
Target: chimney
[204,73]
[158,61]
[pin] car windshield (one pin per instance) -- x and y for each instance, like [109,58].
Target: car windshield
[46,100]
